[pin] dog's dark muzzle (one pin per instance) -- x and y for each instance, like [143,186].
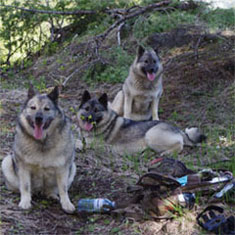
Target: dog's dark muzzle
[152,69]
[39,119]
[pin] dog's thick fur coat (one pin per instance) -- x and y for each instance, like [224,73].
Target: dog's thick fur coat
[126,136]
[43,159]
[139,98]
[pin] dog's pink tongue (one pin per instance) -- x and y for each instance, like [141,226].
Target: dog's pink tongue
[38,132]
[151,76]
[88,126]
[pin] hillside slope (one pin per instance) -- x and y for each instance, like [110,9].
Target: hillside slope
[198,91]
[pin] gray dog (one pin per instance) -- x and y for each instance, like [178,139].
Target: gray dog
[43,159]
[96,120]
[139,98]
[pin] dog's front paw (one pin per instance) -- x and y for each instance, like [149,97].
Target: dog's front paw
[155,117]
[68,207]
[25,204]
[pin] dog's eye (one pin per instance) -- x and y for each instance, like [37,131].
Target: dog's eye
[47,109]
[33,107]
[154,61]
[146,61]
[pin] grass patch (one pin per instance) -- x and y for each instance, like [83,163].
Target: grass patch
[219,18]
[117,71]
[160,22]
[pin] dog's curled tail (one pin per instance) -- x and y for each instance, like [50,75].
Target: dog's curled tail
[192,136]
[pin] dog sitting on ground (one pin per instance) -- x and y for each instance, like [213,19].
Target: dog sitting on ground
[43,159]
[139,98]
[96,120]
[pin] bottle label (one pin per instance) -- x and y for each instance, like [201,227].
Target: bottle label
[98,203]
[181,198]
[183,180]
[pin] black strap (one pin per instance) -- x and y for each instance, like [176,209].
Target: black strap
[216,223]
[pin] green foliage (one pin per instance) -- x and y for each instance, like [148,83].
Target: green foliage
[161,22]
[219,18]
[39,84]
[51,48]
[102,4]
[115,72]
[23,33]
[115,230]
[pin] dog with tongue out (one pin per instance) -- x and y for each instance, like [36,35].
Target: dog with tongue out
[43,152]
[139,98]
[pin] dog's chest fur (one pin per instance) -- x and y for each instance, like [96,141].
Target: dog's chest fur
[143,92]
[48,154]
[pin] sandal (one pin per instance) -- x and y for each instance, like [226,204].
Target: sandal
[216,222]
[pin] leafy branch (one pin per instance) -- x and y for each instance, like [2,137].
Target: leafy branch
[75,12]
[18,24]
[128,14]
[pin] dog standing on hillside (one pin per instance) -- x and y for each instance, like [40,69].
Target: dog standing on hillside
[139,98]
[43,159]
[126,136]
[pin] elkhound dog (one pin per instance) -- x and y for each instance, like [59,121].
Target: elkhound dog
[126,136]
[139,98]
[43,159]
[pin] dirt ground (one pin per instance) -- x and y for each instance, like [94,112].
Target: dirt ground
[198,91]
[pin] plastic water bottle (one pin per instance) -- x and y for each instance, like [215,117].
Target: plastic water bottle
[95,205]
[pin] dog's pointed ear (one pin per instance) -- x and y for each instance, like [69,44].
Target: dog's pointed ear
[31,92]
[104,100]
[85,97]
[156,50]
[140,51]
[54,94]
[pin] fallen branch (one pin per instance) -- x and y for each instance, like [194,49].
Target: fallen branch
[182,6]
[76,12]
[140,11]
[91,12]
[119,33]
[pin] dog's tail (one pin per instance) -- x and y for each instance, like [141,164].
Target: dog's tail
[9,173]
[192,136]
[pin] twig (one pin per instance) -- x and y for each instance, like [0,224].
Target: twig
[197,45]
[119,33]
[76,12]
